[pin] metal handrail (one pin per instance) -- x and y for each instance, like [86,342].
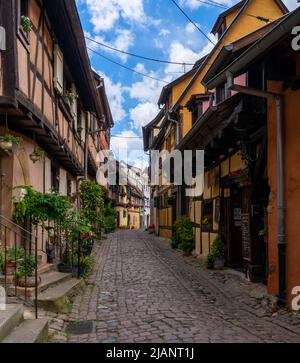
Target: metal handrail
[15,225]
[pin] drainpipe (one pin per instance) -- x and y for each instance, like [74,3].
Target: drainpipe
[281,238]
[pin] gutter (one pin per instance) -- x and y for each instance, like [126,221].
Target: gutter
[281,233]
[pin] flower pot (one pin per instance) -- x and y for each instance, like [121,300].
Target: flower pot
[29,281]
[6,145]
[219,264]
[34,158]
[10,269]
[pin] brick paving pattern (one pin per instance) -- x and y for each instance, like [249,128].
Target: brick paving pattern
[143,291]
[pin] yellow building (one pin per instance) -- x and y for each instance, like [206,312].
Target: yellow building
[184,102]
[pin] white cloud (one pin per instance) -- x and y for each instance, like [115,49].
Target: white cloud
[291,4]
[128,146]
[115,97]
[106,13]
[163,32]
[123,40]
[181,53]
[142,114]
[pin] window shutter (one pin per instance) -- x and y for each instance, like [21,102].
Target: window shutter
[58,70]
[74,108]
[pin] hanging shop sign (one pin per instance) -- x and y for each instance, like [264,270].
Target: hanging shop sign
[246,236]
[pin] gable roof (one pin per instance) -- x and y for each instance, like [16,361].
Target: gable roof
[262,46]
[224,14]
[146,129]
[244,6]
[231,51]
[238,6]
[166,89]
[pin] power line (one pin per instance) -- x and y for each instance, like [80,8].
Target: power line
[125,67]
[192,22]
[136,55]
[223,6]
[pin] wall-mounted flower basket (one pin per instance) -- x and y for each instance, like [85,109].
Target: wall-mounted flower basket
[36,155]
[70,97]
[26,24]
[8,141]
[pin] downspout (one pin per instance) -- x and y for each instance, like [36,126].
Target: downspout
[281,237]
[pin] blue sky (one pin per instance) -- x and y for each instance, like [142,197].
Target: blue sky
[154,28]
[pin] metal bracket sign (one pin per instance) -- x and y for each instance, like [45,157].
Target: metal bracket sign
[2,39]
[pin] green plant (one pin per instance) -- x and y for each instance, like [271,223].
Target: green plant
[41,207]
[92,203]
[218,248]
[110,211]
[263,232]
[14,255]
[183,232]
[210,262]
[110,224]
[175,242]
[26,266]
[70,97]
[38,152]
[11,138]
[26,24]
[86,264]
[217,252]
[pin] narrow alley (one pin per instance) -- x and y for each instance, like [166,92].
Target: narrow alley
[143,291]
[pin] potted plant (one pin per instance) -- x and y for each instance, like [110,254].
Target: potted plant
[13,256]
[216,258]
[26,24]
[8,141]
[70,97]
[26,271]
[36,155]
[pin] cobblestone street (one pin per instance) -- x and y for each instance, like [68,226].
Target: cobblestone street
[143,291]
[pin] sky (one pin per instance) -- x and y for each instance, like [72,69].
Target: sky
[155,29]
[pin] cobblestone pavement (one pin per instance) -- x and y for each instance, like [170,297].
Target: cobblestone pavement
[143,291]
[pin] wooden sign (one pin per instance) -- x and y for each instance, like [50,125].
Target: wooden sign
[246,236]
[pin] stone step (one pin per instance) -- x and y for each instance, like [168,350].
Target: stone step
[48,280]
[10,318]
[45,268]
[59,298]
[29,331]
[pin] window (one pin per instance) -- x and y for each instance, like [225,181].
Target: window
[55,178]
[93,123]
[207,215]
[197,111]
[220,94]
[69,185]
[24,7]
[58,70]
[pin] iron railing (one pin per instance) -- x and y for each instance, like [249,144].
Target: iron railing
[42,244]
[18,247]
